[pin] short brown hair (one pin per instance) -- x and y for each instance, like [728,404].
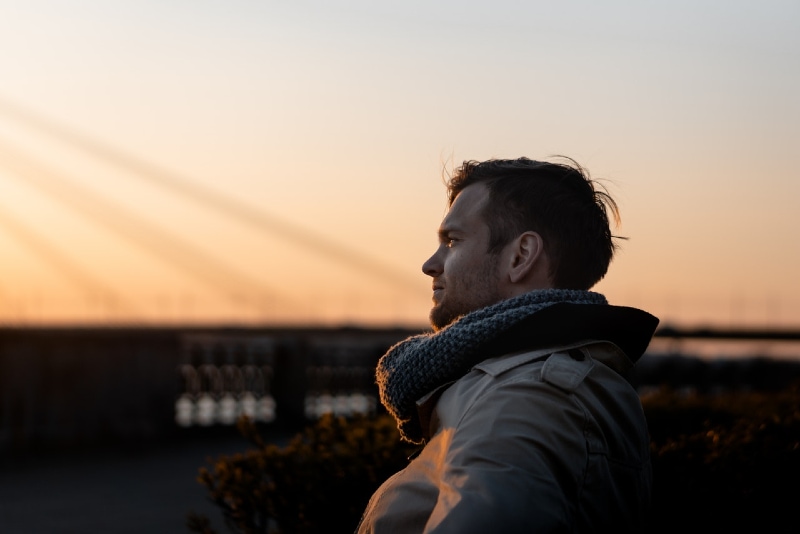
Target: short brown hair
[559,201]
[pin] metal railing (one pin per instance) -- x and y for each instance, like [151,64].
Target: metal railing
[62,387]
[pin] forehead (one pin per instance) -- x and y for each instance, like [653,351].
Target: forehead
[467,208]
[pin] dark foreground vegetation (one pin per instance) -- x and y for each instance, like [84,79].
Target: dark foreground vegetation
[722,462]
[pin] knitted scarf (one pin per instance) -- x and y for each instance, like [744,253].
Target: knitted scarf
[421,363]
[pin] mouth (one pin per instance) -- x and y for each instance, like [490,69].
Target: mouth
[437,292]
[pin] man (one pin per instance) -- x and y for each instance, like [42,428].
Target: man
[518,394]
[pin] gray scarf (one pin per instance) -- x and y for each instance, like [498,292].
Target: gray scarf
[420,364]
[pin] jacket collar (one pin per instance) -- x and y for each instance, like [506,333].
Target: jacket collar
[630,329]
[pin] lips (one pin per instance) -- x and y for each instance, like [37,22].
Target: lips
[437,292]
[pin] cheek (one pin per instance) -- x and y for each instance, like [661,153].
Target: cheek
[464,259]
[453,263]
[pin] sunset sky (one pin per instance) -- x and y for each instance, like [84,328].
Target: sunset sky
[248,162]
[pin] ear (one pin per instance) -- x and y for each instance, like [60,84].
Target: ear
[526,257]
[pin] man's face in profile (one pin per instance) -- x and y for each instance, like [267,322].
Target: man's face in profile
[465,275]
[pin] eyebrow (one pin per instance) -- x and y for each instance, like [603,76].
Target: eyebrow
[445,231]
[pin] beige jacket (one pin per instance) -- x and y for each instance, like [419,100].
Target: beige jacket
[552,440]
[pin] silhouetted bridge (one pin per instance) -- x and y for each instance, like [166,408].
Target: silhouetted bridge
[64,387]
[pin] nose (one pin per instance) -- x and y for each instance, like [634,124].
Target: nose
[433,266]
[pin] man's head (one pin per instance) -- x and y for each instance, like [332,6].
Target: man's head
[514,226]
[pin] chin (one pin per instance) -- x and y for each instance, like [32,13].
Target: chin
[439,318]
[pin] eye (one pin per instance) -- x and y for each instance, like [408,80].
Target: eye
[446,239]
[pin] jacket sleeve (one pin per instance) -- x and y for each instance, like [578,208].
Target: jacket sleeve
[514,463]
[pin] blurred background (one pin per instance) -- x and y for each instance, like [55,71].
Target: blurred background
[212,209]
[281,163]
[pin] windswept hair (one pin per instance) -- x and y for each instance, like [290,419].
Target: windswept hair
[559,201]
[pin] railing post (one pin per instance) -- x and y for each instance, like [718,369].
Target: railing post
[290,384]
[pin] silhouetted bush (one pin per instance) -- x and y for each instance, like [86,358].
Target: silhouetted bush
[320,482]
[724,462]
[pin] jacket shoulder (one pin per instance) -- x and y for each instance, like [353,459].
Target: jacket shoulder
[565,366]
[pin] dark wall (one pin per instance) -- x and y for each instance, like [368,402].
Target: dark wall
[71,387]
[77,386]
[65,387]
